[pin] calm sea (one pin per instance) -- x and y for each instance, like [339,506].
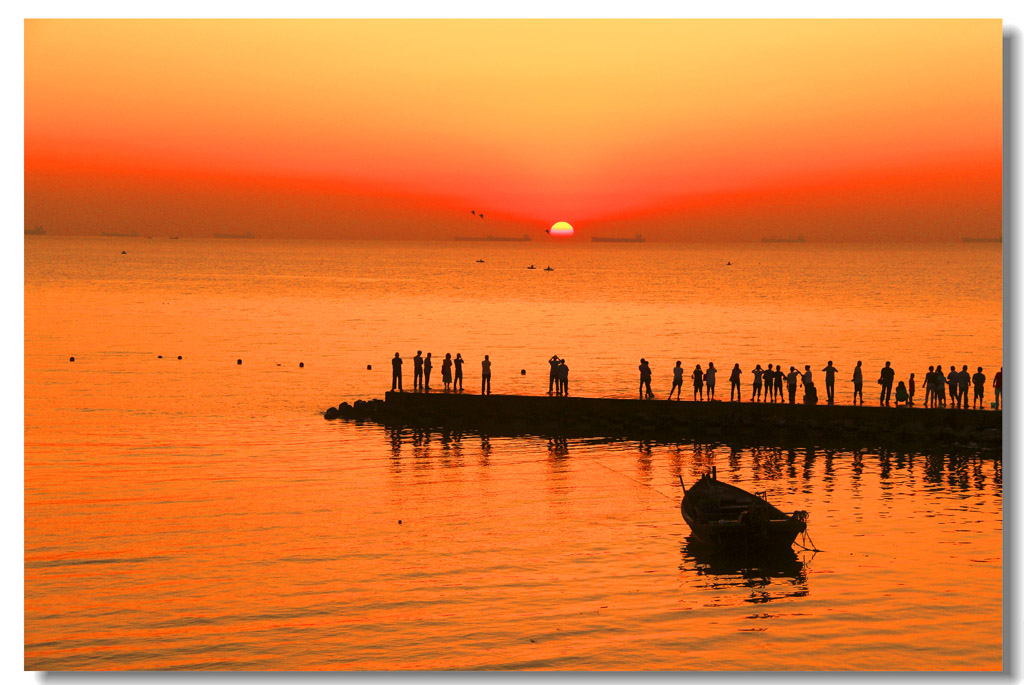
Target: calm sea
[198,513]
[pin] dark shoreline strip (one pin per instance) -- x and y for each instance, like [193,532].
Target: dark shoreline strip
[739,422]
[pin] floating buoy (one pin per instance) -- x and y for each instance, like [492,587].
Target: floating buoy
[523,372]
[159,356]
[301,365]
[368,367]
[179,356]
[399,521]
[72,359]
[239,361]
[123,252]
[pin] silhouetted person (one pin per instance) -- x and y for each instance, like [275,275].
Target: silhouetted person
[964,383]
[645,379]
[810,393]
[953,380]
[997,387]
[979,389]
[428,364]
[886,378]
[457,384]
[939,398]
[791,384]
[553,375]
[830,383]
[698,383]
[485,378]
[910,391]
[417,371]
[929,387]
[778,381]
[446,372]
[858,383]
[677,381]
[563,377]
[396,372]
[709,380]
[734,381]
[902,396]
[755,394]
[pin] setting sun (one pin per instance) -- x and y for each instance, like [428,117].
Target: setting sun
[561,229]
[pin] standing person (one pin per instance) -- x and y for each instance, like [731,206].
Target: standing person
[485,378]
[979,389]
[428,364]
[698,383]
[939,394]
[929,385]
[755,395]
[446,372]
[964,381]
[734,380]
[457,385]
[778,381]
[810,394]
[709,380]
[885,378]
[677,381]
[563,377]
[645,379]
[858,383]
[553,374]
[953,379]
[396,373]
[791,384]
[910,391]
[417,371]
[830,382]
[997,387]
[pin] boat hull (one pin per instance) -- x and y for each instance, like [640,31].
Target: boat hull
[722,515]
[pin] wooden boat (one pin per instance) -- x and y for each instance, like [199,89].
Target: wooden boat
[723,515]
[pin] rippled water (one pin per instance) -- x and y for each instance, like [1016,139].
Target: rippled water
[198,513]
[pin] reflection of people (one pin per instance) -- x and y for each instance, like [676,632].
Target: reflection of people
[396,372]
[457,385]
[417,371]
[734,383]
[553,375]
[677,381]
[485,379]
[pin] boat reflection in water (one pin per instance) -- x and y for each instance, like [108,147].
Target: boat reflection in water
[753,572]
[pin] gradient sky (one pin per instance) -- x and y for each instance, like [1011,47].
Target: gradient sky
[679,129]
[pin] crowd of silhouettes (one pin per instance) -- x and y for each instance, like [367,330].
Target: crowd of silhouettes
[451,372]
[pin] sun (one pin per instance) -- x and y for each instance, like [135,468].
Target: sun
[562,229]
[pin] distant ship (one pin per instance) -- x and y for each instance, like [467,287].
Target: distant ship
[982,240]
[38,230]
[495,239]
[247,234]
[635,239]
[773,239]
[133,234]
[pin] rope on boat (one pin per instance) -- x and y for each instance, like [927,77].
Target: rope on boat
[646,485]
[806,537]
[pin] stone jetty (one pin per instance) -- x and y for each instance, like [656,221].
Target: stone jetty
[731,422]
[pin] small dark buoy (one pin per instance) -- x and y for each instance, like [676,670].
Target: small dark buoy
[179,356]
[239,361]
[72,359]
[728,263]
[123,252]
[523,372]
[368,367]
[159,356]
[301,365]
[399,521]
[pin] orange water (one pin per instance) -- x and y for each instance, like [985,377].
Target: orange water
[197,513]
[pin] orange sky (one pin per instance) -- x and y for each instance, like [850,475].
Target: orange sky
[680,129]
